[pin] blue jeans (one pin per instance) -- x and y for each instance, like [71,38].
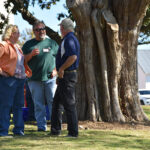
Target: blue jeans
[11,99]
[42,92]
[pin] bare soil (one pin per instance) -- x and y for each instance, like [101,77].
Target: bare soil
[112,126]
[85,125]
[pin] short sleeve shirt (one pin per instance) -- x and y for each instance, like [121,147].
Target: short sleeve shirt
[69,46]
[43,64]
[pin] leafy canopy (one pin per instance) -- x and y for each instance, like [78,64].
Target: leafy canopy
[22,6]
[145,29]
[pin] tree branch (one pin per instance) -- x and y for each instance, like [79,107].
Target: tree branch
[143,43]
[26,15]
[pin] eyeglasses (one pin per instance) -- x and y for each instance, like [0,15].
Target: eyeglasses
[40,29]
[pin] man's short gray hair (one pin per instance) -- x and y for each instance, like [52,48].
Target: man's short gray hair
[37,23]
[67,24]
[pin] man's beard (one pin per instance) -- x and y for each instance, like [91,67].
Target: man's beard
[42,37]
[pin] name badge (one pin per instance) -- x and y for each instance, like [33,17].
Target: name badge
[46,50]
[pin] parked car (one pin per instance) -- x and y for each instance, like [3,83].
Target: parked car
[144,95]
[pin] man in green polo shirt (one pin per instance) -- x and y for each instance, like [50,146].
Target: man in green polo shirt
[40,54]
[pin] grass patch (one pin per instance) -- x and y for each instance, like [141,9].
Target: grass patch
[88,140]
[146,109]
[116,139]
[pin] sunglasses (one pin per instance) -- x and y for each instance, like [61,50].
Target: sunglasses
[40,29]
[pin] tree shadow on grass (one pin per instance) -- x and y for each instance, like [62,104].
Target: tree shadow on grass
[90,139]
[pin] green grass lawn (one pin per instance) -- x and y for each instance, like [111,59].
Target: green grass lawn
[147,110]
[88,139]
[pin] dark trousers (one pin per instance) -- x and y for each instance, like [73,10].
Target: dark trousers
[65,98]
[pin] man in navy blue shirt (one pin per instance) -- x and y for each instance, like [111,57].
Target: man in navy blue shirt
[67,62]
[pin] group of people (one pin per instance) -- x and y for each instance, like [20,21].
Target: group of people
[51,73]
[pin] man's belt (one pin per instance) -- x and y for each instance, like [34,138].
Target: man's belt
[69,71]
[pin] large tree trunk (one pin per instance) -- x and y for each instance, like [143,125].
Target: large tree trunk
[108,31]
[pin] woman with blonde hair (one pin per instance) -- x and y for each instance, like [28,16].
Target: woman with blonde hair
[13,71]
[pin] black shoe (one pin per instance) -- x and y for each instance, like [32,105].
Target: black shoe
[19,134]
[54,134]
[71,136]
[41,130]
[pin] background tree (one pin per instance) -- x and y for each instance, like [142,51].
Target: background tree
[108,33]
[144,37]
[27,34]
[22,7]
[4,21]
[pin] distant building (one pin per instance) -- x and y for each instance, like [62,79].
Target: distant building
[3,11]
[144,69]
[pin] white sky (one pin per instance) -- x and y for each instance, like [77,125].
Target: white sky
[145,46]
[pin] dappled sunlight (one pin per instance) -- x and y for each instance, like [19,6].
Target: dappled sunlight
[90,139]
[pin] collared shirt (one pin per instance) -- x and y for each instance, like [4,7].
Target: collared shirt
[8,58]
[69,46]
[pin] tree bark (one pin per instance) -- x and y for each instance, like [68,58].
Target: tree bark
[108,31]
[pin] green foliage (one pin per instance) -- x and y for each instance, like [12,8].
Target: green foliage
[44,3]
[12,6]
[144,37]
[4,20]
[63,15]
